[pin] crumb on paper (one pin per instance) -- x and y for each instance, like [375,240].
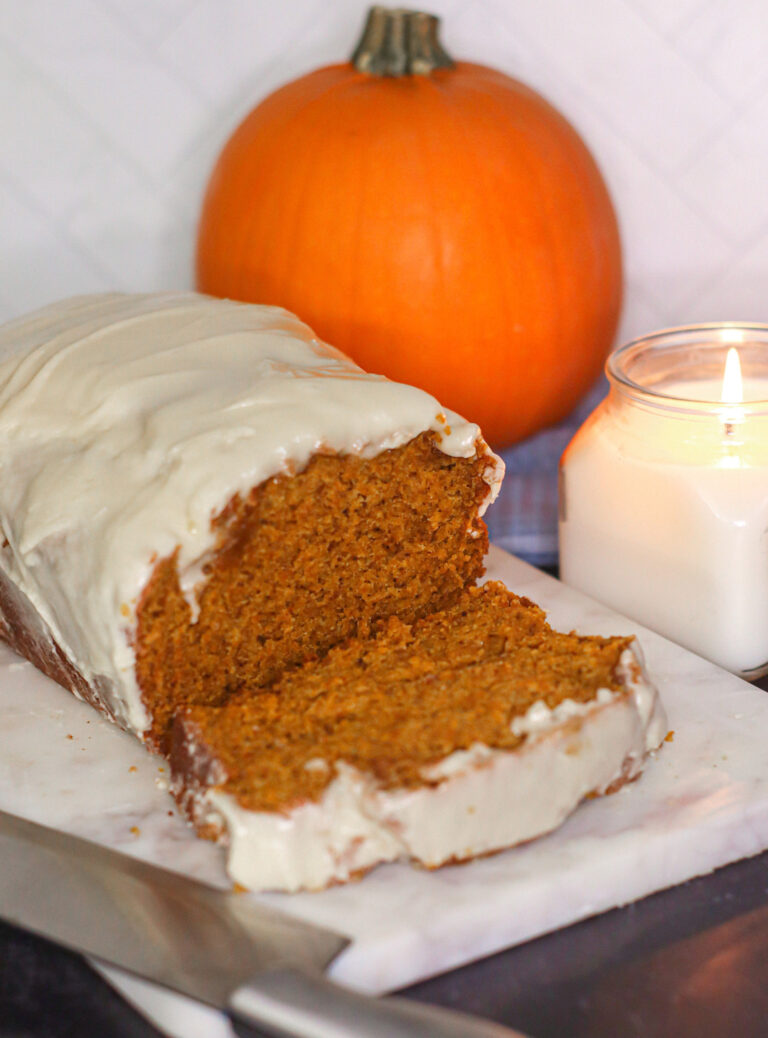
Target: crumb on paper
[135,830]
[670,736]
[70,736]
[133,768]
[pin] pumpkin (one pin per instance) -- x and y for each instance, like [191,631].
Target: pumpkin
[439,222]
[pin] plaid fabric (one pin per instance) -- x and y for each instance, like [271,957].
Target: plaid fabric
[523,519]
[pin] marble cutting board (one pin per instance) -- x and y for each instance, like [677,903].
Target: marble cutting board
[702,802]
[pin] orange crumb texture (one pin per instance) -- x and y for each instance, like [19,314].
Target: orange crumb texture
[393,703]
[305,562]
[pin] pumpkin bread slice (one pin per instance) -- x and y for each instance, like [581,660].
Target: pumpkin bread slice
[456,735]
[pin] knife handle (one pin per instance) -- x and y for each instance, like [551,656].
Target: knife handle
[288,1003]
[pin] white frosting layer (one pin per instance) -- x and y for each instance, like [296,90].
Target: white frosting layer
[480,799]
[127,422]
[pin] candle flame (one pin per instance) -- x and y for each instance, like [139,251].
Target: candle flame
[733,389]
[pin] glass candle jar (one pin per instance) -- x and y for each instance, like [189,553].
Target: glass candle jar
[664,492]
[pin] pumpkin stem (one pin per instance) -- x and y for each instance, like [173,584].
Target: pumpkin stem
[398,42]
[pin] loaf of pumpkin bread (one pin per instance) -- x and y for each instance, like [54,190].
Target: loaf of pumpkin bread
[197,494]
[260,560]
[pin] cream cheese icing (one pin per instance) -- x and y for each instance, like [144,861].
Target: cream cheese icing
[473,802]
[128,421]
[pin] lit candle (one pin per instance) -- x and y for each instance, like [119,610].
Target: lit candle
[664,492]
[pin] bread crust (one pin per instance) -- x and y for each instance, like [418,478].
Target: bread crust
[22,627]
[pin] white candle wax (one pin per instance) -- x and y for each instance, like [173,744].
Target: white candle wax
[664,516]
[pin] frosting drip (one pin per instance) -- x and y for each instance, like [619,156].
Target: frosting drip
[128,421]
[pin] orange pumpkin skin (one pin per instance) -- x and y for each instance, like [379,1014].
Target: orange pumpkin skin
[449,230]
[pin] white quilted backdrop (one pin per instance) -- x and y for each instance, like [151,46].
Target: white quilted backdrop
[112,112]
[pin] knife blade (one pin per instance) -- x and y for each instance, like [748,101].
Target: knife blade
[263,967]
